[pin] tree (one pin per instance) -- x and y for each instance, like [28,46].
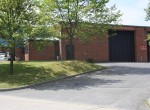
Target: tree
[82,18]
[18,21]
[147,19]
[147,10]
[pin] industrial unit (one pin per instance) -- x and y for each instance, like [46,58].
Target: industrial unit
[128,44]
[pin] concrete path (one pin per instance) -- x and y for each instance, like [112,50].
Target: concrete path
[15,103]
[123,86]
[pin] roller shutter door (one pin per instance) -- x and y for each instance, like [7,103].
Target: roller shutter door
[121,46]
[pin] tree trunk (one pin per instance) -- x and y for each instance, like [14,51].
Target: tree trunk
[71,41]
[11,65]
[12,58]
[14,54]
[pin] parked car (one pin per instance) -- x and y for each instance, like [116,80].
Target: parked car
[16,58]
[5,56]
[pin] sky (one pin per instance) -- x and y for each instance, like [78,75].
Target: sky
[133,11]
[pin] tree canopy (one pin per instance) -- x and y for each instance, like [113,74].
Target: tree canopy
[19,20]
[82,18]
[147,18]
[147,10]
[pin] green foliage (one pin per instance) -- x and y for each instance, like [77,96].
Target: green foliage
[16,19]
[147,10]
[82,19]
[20,21]
[41,43]
[148,39]
[147,19]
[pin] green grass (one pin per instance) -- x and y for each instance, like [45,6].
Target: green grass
[28,73]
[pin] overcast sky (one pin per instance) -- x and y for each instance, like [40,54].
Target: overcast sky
[133,11]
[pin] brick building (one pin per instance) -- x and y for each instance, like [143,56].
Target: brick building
[129,44]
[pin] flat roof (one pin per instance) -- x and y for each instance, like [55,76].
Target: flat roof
[135,26]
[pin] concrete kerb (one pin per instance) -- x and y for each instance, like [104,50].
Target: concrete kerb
[30,86]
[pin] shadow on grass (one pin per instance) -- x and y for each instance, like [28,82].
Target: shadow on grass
[78,66]
[27,74]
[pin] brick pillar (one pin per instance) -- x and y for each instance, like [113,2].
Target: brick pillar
[62,47]
[140,45]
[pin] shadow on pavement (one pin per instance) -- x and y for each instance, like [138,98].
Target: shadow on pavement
[93,79]
[79,83]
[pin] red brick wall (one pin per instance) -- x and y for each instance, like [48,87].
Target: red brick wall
[140,41]
[48,53]
[98,49]
[19,52]
[26,57]
[95,49]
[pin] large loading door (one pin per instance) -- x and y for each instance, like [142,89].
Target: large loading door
[121,46]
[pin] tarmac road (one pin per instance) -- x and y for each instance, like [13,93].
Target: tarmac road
[123,86]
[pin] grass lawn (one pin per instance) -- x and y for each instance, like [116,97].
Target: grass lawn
[27,73]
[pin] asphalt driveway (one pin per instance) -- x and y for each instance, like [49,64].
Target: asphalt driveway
[123,86]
